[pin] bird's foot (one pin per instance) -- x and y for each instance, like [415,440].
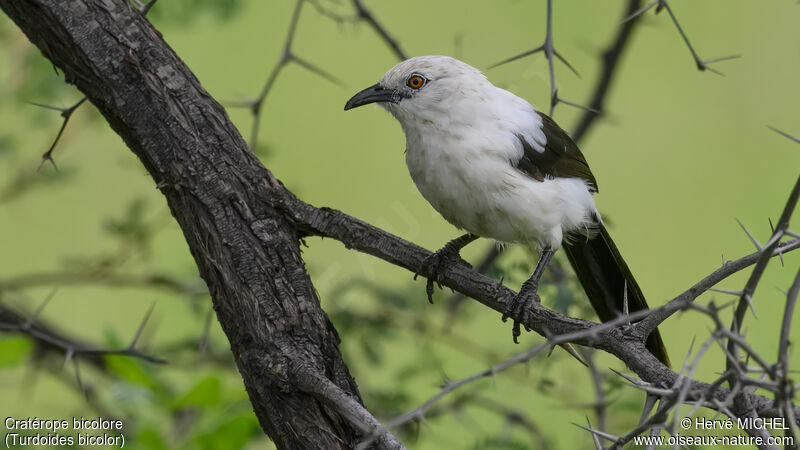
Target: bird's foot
[518,308]
[434,265]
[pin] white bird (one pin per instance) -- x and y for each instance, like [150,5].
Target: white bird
[491,164]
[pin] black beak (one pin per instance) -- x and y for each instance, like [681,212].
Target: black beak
[372,94]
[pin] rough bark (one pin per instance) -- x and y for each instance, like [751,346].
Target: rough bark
[246,251]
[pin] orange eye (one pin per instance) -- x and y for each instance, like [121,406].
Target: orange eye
[415,82]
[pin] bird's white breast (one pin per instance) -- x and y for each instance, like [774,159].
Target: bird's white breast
[462,165]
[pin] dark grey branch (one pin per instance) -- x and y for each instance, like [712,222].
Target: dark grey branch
[223,199]
[550,53]
[66,113]
[611,58]
[702,64]
[766,253]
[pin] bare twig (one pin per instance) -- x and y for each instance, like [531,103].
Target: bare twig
[600,404]
[550,53]
[114,278]
[367,16]
[611,58]
[702,64]
[288,56]
[43,335]
[784,395]
[66,113]
[765,254]
[784,134]
[418,413]
[685,299]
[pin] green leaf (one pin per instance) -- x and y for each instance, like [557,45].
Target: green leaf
[151,439]
[14,350]
[233,433]
[131,371]
[205,393]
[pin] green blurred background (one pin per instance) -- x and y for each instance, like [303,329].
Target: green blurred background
[679,156]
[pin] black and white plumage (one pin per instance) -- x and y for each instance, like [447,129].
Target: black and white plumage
[494,166]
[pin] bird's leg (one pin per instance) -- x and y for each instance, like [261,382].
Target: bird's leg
[517,307]
[433,264]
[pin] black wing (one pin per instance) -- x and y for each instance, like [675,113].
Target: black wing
[561,157]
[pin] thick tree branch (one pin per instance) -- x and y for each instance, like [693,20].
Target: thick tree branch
[221,196]
[611,58]
[626,343]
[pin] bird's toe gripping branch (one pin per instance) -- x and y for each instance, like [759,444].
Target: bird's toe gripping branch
[518,309]
[434,264]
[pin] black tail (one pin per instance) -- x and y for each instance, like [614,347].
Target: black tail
[604,275]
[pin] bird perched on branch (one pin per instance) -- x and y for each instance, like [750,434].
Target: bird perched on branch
[494,166]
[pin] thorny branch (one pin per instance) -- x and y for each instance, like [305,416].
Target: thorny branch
[66,113]
[550,52]
[112,278]
[362,13]
[765,254]
[49,340]
[611,58]
[702,64]
[288,55]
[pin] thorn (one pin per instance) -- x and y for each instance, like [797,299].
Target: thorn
[314,69]
[640,11]
[141,327]
[686,360]
[703,65]
[50,107]
[566,63]
[727,291]
[649,402]
[599,433]
[78,379]
[755,242]
[721,58]
[772,229]
[596,440]
[749,299]
[784,134]
[571,350]
[48,156]
[521,55]
[68,357]
[575,105]
[32,319]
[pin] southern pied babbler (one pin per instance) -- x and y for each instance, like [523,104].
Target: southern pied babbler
[493,165]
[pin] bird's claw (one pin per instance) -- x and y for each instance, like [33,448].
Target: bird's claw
[518,309]
[432,268]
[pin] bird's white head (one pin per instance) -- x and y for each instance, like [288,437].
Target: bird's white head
[423,88]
